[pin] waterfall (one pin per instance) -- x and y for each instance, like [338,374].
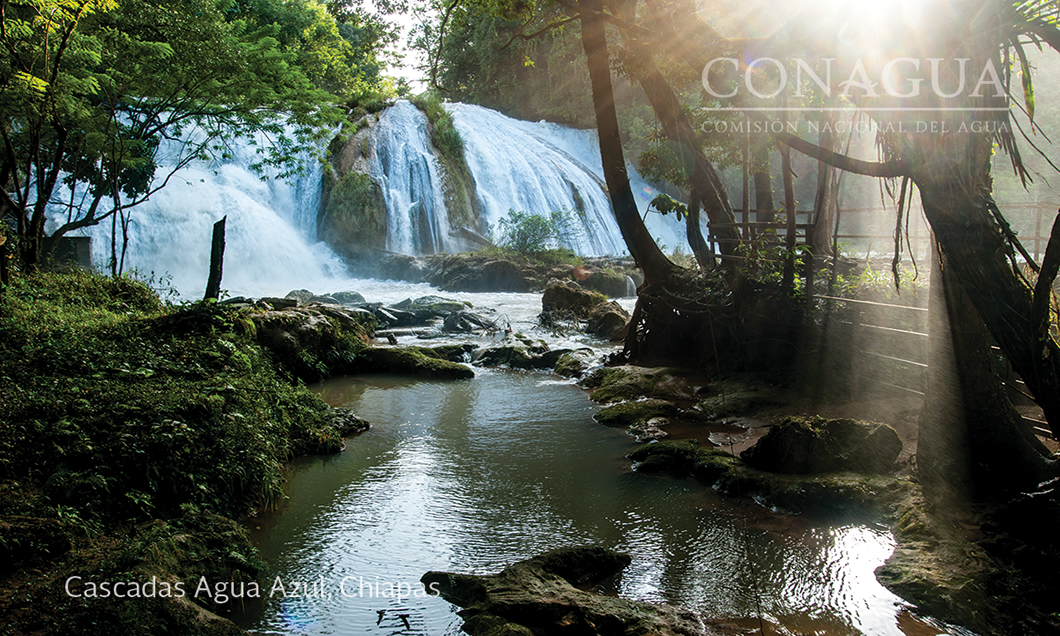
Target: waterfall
[408,172]
[271,244]
[270,233]
[542,167]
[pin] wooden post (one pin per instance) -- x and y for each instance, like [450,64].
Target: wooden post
[788,279]
[217,253]
[5,275]
[747,180]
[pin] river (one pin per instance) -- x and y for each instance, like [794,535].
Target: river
[472,475]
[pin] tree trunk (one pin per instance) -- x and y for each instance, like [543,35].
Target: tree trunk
[824,203]
[764,194]
[975,250]
[972,441]
[217,252]
[641,245]
[788,279]
[700,247]
[678,129]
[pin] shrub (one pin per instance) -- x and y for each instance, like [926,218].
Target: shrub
[530,233]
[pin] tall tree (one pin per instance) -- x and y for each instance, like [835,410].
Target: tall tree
[93,91]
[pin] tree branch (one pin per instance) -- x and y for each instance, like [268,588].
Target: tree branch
[843,162]
[540,32]
[1043,289]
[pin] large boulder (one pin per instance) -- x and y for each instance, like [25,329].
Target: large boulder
[419,361]
[401,267]
[476,273]
[610,283]
[628,382]
[546,595]
[607,320]
[568,298]
[313,342]
[803,446]
[573,364]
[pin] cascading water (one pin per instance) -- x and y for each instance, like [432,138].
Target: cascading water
[542,167]
[406,169]
[270,231]
[271,244]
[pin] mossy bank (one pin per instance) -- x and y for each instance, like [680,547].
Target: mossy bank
[133,434]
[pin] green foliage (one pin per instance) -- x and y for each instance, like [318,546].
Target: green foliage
[120,409]
[444,135]
[90,88]
[529,233]
[665,204]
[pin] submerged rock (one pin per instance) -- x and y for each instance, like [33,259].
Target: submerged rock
[842,493]
[815,445]
[546,595]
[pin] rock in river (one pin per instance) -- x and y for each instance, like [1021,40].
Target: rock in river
[546,595]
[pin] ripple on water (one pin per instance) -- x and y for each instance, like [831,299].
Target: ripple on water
[471,476]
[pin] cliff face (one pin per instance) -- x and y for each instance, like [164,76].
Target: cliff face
[353,213]
[353,218]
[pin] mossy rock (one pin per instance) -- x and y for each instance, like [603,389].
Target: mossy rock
[736,404]
[452,353]
[636,412]
[800,445]
[670,456]
[345,421]
[435,304]
[607,320]
[609,283]
[568,298]
[355,218]
[713,465]
[547,595]
[614,384]
[476,273]
[573,364]
[409,361]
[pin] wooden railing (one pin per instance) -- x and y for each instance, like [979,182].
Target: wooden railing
[883,347]
[866,230]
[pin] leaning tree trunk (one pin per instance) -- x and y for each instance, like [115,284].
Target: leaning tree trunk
[641,245]
[975,248]
[972,442]
[679,130]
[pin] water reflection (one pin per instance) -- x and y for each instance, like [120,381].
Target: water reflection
[472,475]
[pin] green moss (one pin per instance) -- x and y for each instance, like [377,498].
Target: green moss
[573,363]
[635,412]
[355,215]
[669,456]
[458,184]
[118,411]
[615,384]
[410,361]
